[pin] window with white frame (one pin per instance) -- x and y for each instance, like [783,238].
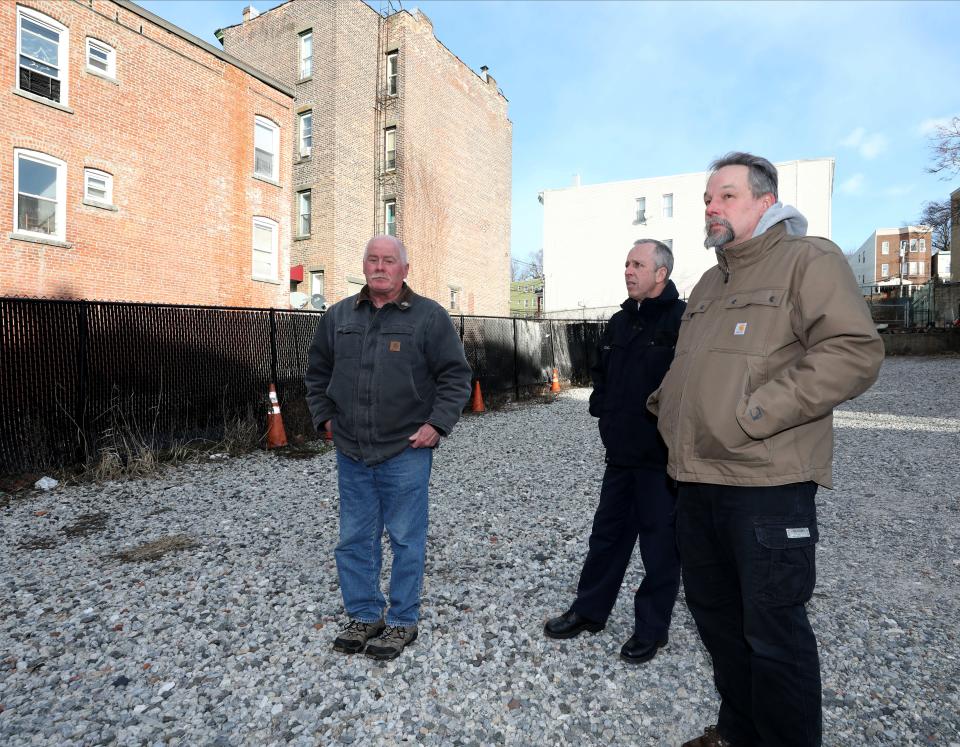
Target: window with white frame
[668,206]
[912,268]
[903,246]
[390,217]
[641,210]
[265,249]
[921,267]
[884,271]
[42,55]
[303,213]
[305,129]
[393,59]
[390,148]
[97,186]
[923,245]
[39,194]
[306,54]
[316,283]
[266,138]
[885,247]
[455,298]
[913,246]
[101,58]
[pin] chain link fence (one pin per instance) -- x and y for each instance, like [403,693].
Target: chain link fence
[77,376]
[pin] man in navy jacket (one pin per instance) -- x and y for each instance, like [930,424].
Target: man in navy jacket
[637,499]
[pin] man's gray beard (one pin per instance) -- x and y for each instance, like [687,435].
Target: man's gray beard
[721,239]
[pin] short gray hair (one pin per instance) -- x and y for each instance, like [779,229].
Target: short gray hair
[762,173]
[401,249]
[662,254]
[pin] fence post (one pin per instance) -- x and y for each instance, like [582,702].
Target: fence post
[80,400]
[273,348]
[516,363]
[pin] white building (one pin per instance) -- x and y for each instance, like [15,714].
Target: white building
[588,230]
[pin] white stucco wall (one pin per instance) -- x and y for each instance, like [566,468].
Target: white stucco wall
[588,230]
[863,262]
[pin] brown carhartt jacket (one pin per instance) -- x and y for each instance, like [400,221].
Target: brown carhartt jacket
[766,350]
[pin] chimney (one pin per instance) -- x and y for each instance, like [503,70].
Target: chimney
[249,13]
[488,79]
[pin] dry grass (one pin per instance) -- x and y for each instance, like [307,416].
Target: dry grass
[157,548]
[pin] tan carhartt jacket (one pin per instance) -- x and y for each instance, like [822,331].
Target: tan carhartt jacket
[766,351]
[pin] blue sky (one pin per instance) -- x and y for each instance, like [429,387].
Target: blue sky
[624,90]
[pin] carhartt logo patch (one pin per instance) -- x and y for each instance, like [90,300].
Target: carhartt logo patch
[740,329]
[394,346]
[799,533]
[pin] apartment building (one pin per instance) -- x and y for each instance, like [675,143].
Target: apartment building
[601,221]
[893,256]
[526,297]
[395,135]
[139,162]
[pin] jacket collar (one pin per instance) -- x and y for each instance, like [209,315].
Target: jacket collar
[403,301]
[750,251]
[668,295]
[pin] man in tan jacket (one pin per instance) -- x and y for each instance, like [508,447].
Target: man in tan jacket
[773,338]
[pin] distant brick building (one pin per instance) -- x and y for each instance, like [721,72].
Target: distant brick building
[394,134]
[877,263]
[138,163]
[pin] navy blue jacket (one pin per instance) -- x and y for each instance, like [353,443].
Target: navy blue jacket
[382,373]
[635,352]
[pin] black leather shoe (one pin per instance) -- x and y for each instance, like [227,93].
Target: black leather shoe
[570,624]
[637,651]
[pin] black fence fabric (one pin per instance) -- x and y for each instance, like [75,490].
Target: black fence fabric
[73,374]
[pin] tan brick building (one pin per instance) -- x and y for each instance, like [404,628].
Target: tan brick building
[394,134]
[128,164]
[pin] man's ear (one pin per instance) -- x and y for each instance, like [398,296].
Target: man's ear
[661,275]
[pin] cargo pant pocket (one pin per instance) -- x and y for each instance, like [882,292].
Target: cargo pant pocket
[787,552]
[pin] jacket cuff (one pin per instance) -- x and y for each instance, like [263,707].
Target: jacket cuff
[754,420]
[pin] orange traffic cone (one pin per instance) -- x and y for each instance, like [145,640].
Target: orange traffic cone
[276,434]
[555,384]
[476,403]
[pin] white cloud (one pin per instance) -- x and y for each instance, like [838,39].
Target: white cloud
[869,145]
[853,185]
[929,126]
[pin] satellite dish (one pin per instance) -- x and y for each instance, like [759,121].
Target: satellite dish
[318,302]
[299,300]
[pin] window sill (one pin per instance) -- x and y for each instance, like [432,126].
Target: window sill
[39,240]
[305,80]
[42,100]
[102,75]
[266,179]
[302,159]
[269,281]
[301,238]
[101,205]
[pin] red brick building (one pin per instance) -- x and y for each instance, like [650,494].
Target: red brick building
[878,260]
[394,134]
[138,163]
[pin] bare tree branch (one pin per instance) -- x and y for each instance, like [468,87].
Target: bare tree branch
[936,214]
[945,149]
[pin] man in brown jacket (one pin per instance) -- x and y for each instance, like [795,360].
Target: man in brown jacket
[773,338]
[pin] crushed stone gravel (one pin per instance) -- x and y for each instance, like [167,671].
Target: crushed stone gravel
[198,606]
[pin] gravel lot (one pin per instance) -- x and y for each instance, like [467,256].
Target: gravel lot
[227,641]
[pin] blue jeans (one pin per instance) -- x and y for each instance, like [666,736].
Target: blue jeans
[392,494]
[748,556]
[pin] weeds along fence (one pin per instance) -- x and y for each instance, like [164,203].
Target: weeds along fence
[81,379]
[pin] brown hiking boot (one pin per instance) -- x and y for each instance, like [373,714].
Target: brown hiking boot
[391,642]
[354,636]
